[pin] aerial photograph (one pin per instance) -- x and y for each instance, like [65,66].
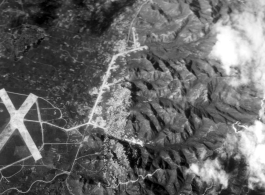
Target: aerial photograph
[132,97]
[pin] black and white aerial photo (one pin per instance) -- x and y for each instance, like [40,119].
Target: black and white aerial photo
[132,97]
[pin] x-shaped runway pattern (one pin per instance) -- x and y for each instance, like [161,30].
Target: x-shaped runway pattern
[17,116]
[17,122]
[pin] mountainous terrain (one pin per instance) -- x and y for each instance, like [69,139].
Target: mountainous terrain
[155,97]
[184,107]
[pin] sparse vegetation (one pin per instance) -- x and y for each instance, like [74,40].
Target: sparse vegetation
[117,112]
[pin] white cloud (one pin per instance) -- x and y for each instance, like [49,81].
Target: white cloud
[210,171]
[240,44]
[251,143]
[240,48]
